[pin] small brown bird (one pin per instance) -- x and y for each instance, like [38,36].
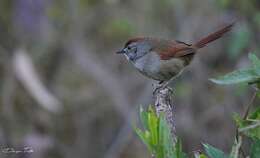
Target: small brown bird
[162,59]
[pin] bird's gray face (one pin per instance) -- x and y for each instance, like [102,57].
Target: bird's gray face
[135,50]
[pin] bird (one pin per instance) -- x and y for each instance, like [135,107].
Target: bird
[163,59]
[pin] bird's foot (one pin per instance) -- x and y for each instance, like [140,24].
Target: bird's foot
[161,86]
[156,87]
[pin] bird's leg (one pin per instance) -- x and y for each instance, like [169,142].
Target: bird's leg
[157,87]
[160,82]
[164,84]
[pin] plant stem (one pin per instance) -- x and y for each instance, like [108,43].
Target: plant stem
[249,105]
[249,127]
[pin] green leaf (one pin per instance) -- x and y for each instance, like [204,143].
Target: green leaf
[165,139]
[250,75]
[238,120]
[254,132]
[255,149]
[178,150]
[250,126]
[258,86]
[199,155]
[153,125]
[162,146]
[144,117]
[213,152]
[258,93]
[238,76]
[144,136]
[256,63]
[157,136]
[255,115]
[202,156]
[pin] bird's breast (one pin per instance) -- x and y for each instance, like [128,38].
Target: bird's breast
[149,64]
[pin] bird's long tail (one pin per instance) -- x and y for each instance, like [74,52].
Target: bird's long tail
[213,36]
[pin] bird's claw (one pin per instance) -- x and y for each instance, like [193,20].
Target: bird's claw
[160,87]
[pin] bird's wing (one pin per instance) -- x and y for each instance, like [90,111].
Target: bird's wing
[174,49]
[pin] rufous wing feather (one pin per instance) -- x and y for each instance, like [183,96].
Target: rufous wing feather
[176,52]
[174,49]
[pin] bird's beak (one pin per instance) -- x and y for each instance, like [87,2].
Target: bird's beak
[121,52]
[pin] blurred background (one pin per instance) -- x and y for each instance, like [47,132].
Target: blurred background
[65,93]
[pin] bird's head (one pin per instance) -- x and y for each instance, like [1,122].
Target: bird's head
[135,48]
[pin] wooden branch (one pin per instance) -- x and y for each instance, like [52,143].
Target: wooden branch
[25,72]
[163,104]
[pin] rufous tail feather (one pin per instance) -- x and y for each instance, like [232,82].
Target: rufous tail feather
[213,36]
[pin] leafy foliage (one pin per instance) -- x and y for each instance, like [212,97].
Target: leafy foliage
[157,136]
[250,126]
[255,149]
[200,155]
[213,152]
[249,75]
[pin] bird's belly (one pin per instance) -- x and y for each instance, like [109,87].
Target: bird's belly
[162,70]
[170,68]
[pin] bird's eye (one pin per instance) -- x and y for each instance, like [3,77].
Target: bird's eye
[128,47]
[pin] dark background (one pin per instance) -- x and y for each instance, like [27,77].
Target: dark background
[65,93]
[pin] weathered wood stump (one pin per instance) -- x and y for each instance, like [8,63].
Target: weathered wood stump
[163,104]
